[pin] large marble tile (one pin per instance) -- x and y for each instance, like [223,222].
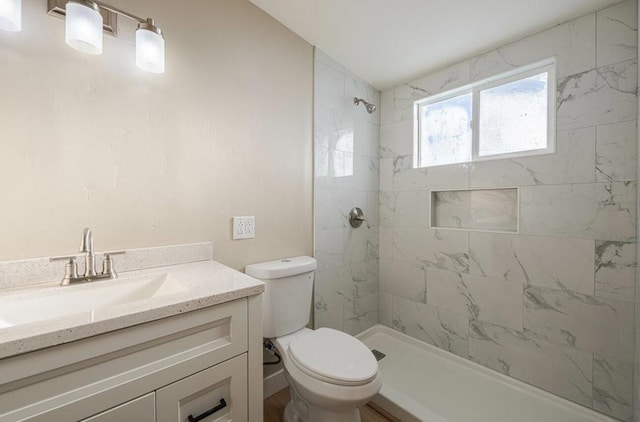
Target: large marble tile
[431,248]
[617,29]
[480,298]
[331,288]
[386,174]
[347,284]
[387,114]
[446,250]
[588,323]
[338,169]
[355,171]
[438,327]
[329,86]
[598,96]
[410,245]
[330,318]
[404,209]
[482,209]
[598,211]
[403,280]
[361,244]
[572,43]
[612,387]
[370,207]
[366,139]
[406,94]
[564,371]
[559,263]
[401,175]
[571,163]
[361,314]
[329,248]
[323,178]
[616,156]
[384,309]
[363,279]
[328,123]
[396,139]
[615,270]
[386,243]
[329,213]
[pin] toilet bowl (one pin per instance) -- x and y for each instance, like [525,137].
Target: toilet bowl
[330,373]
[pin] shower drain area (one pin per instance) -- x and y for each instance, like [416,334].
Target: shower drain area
[378,354]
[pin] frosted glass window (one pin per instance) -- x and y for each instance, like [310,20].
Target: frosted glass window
[513,116]
[445,131]
[505,116]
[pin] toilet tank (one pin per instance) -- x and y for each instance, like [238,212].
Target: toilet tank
[286,301]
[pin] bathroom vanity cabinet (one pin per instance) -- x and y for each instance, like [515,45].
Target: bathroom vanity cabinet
[158,371]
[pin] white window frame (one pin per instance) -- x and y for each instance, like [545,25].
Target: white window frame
[548,66]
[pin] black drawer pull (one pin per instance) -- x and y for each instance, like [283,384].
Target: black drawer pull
[209,412]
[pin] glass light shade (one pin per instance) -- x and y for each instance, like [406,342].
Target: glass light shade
[83,28]
[11,15]
[149,51]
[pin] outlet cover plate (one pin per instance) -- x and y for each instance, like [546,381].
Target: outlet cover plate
[244,227]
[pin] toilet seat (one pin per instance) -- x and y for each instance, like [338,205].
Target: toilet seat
[333,357]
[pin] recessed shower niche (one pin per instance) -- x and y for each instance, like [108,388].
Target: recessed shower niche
[494,209]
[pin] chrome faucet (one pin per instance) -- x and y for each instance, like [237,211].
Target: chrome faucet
[86,246]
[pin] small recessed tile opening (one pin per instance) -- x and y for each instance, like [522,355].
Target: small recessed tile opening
[494,209]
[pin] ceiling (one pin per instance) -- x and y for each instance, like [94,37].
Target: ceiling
[387,42]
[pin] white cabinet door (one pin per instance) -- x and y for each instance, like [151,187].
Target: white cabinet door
[215,394]
[141,409]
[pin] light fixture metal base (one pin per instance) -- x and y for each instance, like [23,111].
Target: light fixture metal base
[110,19]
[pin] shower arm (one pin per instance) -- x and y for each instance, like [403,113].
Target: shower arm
[369,106]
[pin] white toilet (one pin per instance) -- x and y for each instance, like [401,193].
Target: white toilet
[330,373]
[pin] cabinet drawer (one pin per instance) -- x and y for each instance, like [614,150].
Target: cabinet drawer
[76,380]
[203,391]
[142,409]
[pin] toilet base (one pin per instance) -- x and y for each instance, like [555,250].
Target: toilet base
[319,415]
[299,410]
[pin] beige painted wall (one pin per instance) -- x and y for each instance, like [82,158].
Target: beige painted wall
[148,160]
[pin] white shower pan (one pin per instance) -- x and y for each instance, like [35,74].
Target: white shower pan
[425,383]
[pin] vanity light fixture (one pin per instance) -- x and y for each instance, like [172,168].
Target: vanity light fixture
[84,33]
[85,24]
[83,27]
[11,15]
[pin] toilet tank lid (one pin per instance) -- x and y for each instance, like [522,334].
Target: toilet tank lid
[281,268]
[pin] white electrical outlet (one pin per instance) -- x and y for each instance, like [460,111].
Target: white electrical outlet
[244,227]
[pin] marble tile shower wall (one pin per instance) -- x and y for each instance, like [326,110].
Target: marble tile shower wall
[346,175]
[552,305]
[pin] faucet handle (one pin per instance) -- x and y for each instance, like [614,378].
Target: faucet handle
[113,253]
[70,258]
[70,270]
[107,264]
[107,267]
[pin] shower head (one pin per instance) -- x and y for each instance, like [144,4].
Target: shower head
[370,107]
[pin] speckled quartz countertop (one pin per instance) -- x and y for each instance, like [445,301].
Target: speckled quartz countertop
[204,283]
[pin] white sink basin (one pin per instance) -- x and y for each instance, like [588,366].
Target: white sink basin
[22,308]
